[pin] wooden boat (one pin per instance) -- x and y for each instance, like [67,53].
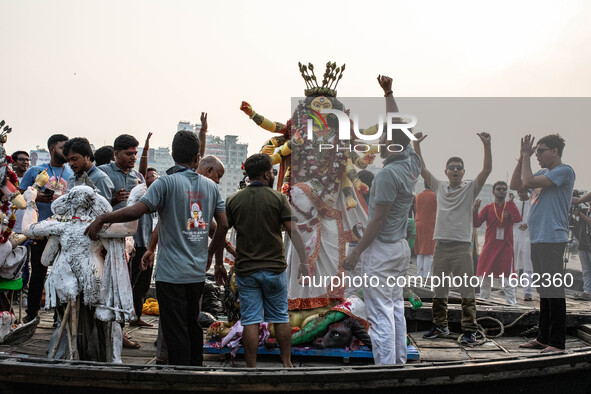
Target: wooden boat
[444,366]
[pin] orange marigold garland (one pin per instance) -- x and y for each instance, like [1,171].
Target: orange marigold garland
[11,222]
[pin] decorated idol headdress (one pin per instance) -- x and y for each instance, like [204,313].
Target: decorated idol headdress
[330,80]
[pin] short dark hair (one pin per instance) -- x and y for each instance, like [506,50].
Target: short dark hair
[553,141]
[18,152]
[454,159]
[125,141]
[185,146]
[366,177]
[103,155]
[500,183]
[257,164]
[78,145]
[55,139]
[151,169]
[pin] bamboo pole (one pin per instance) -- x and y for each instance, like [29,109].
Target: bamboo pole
[75,310]
[60,332]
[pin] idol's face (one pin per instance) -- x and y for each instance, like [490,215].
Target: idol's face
[320,103]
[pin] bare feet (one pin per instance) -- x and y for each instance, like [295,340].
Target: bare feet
[128,343]
[140,323]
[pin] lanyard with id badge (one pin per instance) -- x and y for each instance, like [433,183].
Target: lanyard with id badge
[500,230]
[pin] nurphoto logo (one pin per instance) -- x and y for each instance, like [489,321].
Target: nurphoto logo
[394,120]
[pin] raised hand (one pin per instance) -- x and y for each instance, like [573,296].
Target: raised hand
[147,143]
[204,121]
[386,83]
[420,137]
[527,146]
[247,109]
[477,205]
[484,137]
[511,196]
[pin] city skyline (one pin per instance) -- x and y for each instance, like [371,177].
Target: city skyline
[100,69]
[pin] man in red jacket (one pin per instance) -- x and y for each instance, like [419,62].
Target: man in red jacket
[496,257]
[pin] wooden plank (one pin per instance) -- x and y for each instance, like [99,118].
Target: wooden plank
[437,343]
[584,335]
[485,355]
[443,355]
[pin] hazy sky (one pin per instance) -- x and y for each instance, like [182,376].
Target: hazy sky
[101,68]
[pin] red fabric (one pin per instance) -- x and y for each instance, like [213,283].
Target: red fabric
[497,255]
[426,211]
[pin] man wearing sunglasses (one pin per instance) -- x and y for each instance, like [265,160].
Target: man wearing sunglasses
[453,232]
[496,258]
[552,189]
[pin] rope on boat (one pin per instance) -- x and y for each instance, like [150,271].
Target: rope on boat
[501,327]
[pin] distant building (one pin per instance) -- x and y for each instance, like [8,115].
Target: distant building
[186,125]
[232,154]
[159,158]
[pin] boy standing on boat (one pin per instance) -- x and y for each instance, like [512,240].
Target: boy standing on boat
[258,214]
[453,231]
[548,230]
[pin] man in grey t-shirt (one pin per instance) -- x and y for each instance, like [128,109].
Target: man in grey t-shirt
[79,154]
[121,171]
[453,229]
[386,254]
[186,203]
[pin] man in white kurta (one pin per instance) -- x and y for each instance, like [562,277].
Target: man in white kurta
[522,246]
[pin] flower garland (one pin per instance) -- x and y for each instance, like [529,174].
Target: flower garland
[5,205]
[11,222]
[70,218]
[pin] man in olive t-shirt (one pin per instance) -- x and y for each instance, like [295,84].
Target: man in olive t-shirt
[258,213]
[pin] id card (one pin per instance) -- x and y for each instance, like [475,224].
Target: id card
[500,233]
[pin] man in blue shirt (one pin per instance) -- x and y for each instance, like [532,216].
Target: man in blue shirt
[548,232]
[80,157]
[55,187]
[183,254]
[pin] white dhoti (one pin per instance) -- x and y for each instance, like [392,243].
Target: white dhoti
[384,299]
[522,257]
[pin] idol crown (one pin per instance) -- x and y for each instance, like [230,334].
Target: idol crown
[3,132]
[331,78]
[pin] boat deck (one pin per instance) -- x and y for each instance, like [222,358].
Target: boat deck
[517,320]
[430,350]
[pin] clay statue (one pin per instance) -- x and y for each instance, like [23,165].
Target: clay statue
[80,274]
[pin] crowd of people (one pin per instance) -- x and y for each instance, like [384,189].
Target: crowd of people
[183,208]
